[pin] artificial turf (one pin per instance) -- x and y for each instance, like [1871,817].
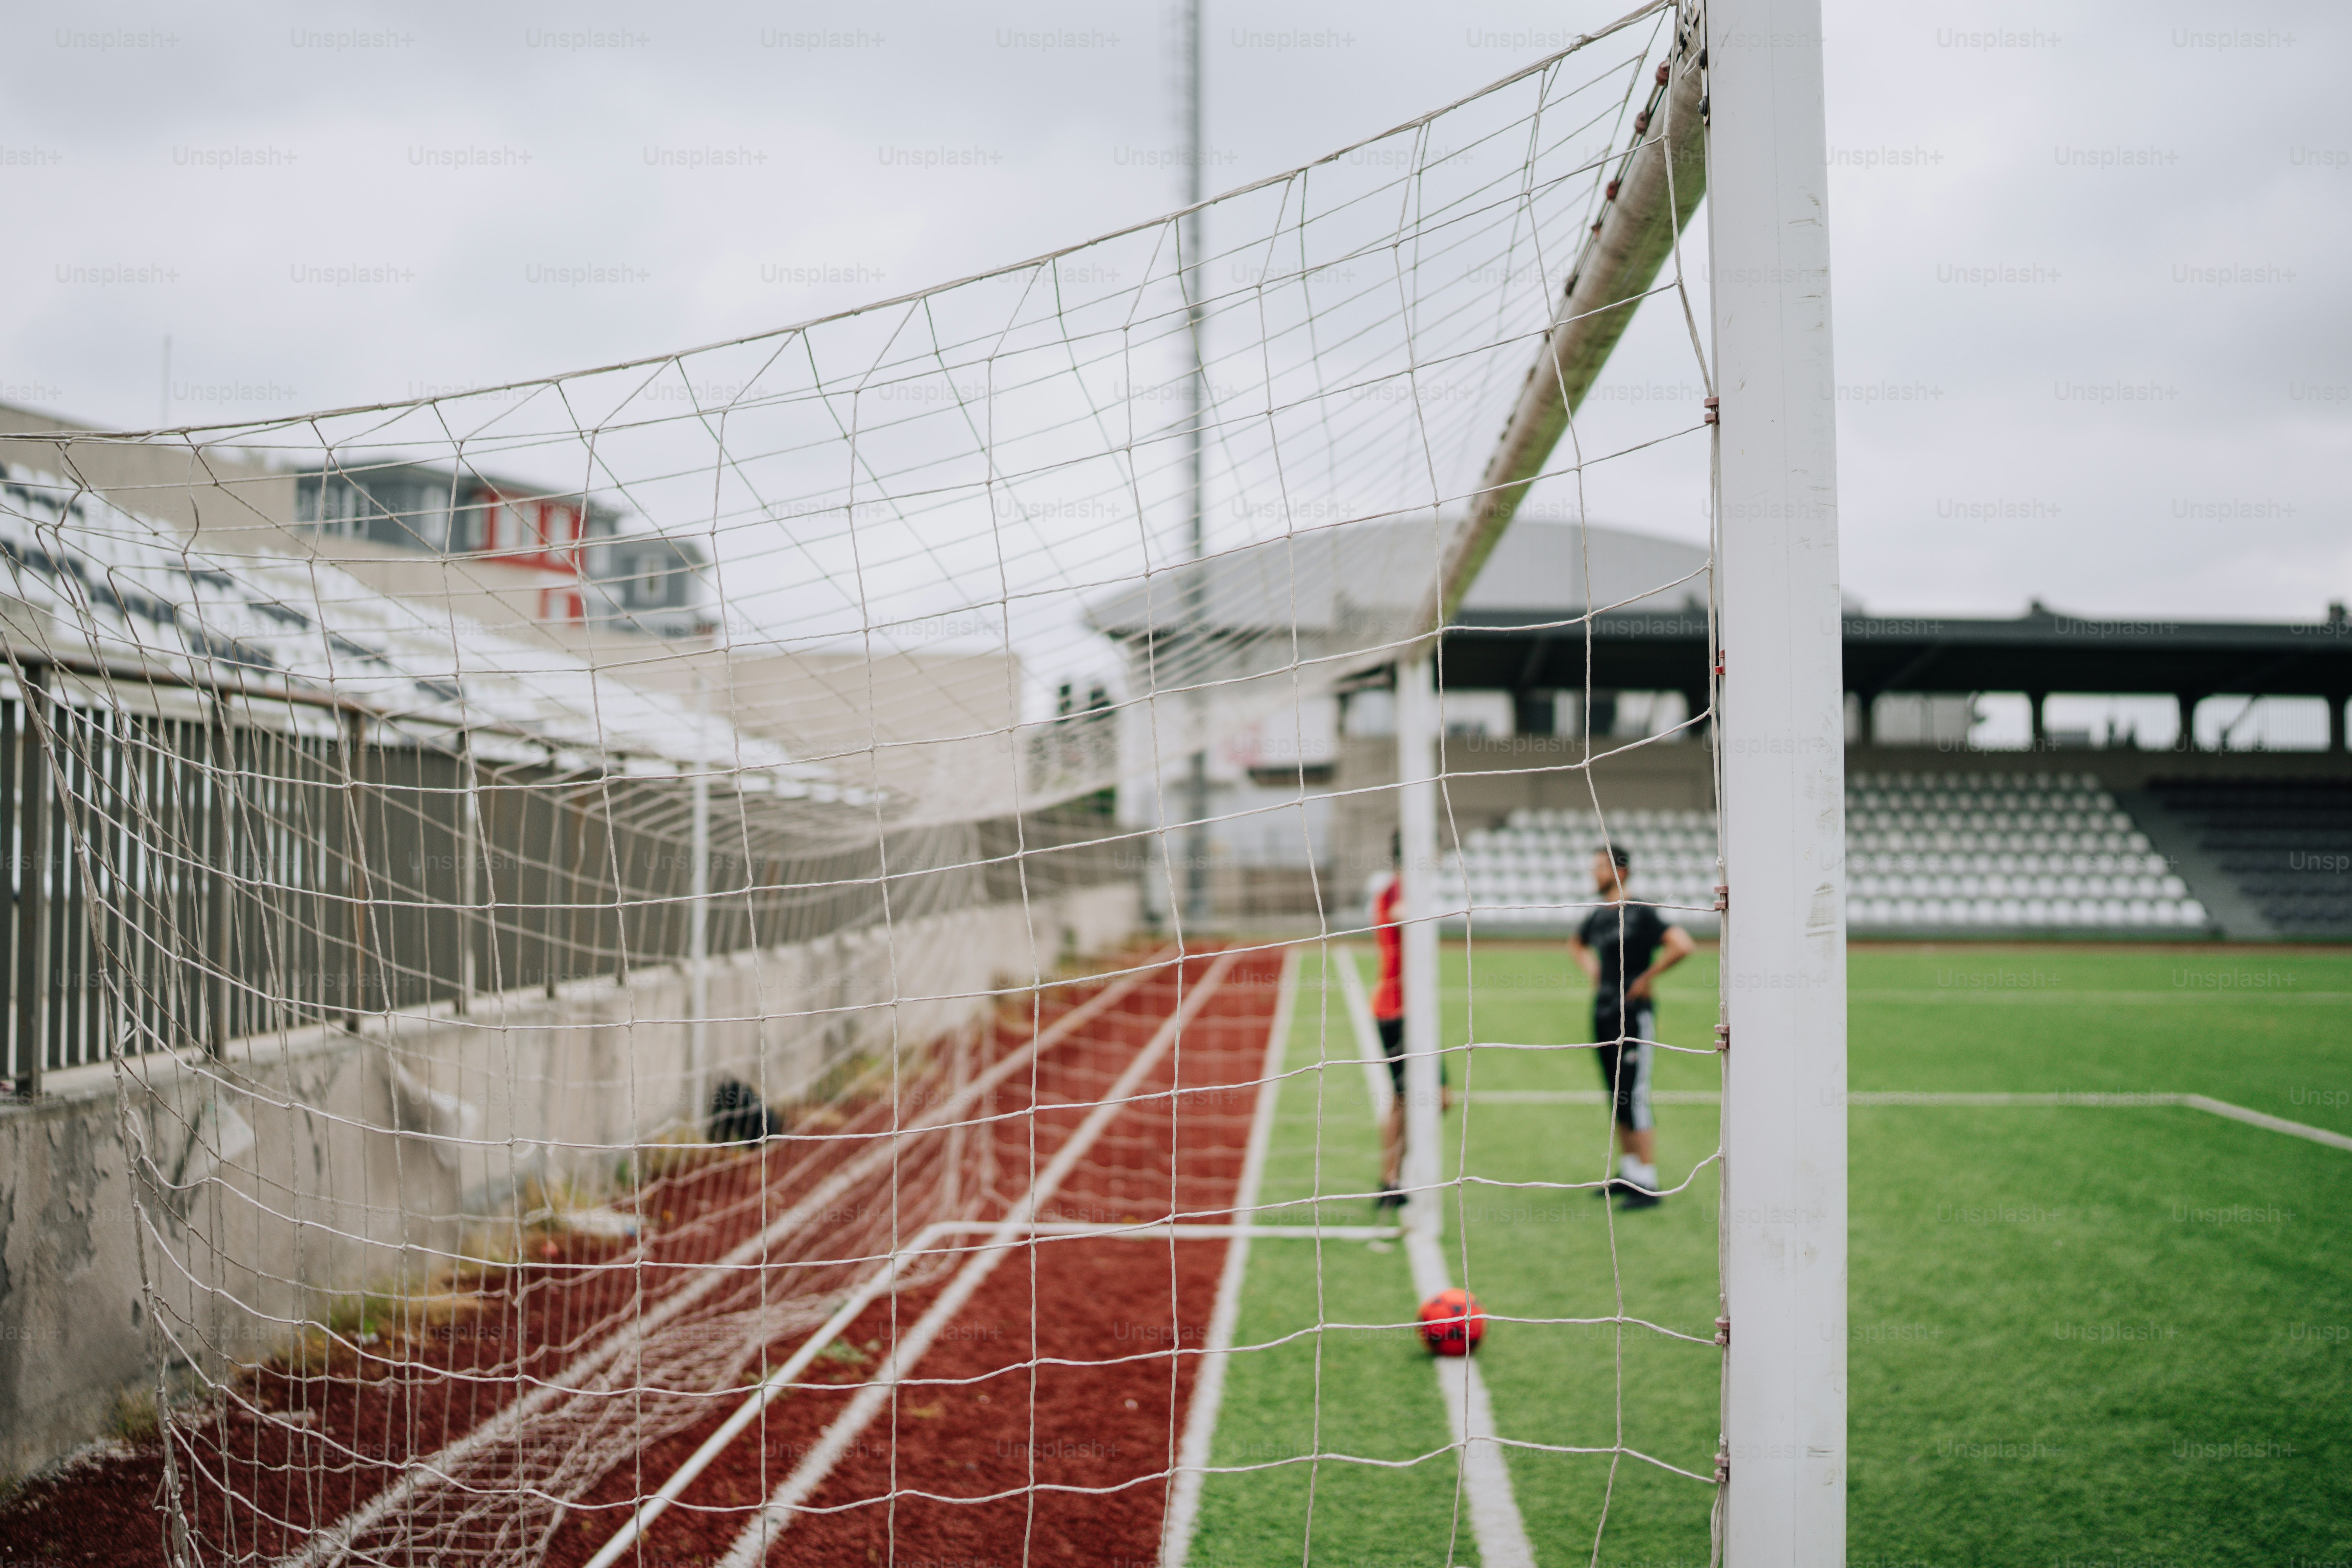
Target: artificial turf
[2090,1335]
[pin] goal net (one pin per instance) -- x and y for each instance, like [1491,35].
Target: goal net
[771,953]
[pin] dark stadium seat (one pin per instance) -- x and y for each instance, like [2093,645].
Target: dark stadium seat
[2287,843]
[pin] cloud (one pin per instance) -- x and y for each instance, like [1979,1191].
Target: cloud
[394,200]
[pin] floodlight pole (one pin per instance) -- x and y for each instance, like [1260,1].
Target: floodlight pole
[1417,714]
[1195,897]
[1780,739]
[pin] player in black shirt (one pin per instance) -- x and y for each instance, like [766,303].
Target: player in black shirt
[1622,948]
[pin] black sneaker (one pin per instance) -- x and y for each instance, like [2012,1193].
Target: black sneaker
[1613,1186]
[1633,1197]
[1387,1198]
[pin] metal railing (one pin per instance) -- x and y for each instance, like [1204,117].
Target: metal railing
[187,868]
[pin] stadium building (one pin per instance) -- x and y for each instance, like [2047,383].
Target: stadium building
[2200,826]
[585,565]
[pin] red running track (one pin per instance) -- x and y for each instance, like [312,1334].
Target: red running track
[258,1484]
[1072,1458]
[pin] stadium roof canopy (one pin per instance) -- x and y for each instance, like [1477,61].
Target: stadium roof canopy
[2042,651]
[1523,627]
[1371,577]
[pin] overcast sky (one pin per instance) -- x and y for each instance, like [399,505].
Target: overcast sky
[2091,308]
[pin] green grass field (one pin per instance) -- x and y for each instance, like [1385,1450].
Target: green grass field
[2078,1334]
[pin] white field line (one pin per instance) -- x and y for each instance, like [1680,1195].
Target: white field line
[504,1429]
[1209,1386]
[2055,997]
[1495,1522]
[2125,1099]
[1585,1096]
[2271,1124]
[750,1547]
[1359,1005]
[2044,995]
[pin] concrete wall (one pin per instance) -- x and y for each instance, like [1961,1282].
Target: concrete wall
[324,1162]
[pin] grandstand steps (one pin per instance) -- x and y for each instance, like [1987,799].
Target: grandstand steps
[2282,844]
[1967,853]
[2031,853]
[2178,840]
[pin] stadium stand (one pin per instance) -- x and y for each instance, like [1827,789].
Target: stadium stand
[2012,850]
[2023,851]
[2286,843]
[1536,872]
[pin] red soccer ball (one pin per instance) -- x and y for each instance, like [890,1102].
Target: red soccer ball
[1452,1322]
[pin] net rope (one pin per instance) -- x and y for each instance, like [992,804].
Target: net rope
[575,882]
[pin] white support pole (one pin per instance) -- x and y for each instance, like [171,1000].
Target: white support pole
[698,941]
[1416,730]
[469,870]
[1781,733]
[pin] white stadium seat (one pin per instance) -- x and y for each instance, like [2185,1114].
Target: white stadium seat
[1990,851]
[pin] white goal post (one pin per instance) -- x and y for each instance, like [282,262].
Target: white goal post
[1778,734]
[1781,753]
[586,921]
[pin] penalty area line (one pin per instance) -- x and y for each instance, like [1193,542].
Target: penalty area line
[2118,1100]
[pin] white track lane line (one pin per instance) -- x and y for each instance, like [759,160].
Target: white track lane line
[752,1546]
[504,1429]
[776,1382]
[1495,1522]
[888,1275]
[1209,1386]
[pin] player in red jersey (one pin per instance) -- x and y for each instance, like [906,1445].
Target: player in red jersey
[1388,1016]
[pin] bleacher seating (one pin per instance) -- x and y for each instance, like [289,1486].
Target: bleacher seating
[2011,850]
[2014,851]
[1536,872]
[2287,844]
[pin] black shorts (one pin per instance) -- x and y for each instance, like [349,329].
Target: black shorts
[1392,1048]
[1625,1063]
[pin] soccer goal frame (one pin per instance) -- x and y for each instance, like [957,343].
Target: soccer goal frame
[1751,70]
[1780,756]
[623,1027]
